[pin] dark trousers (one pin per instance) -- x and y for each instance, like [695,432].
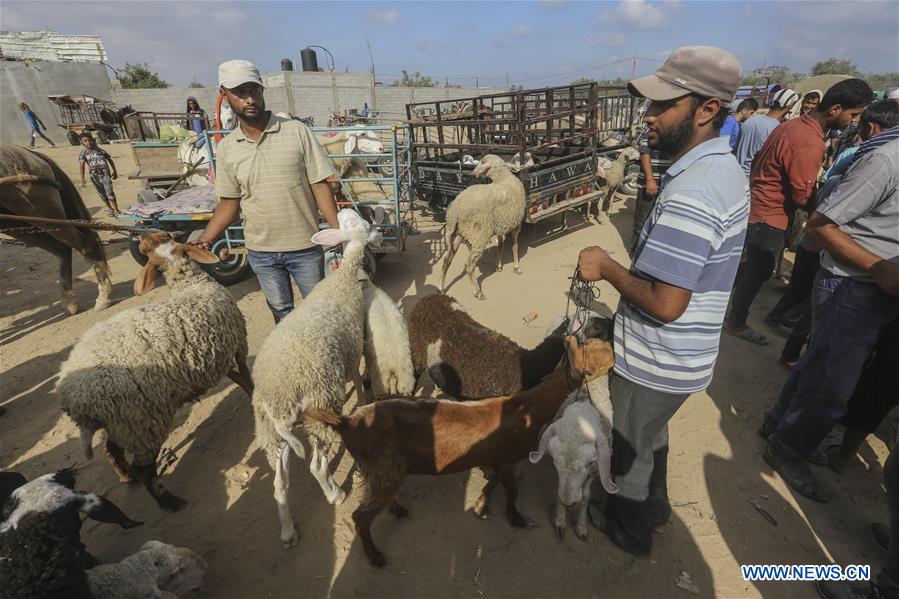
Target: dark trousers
[877,391]
[799,296]
[642,210]
[35,133]
[888,577]
[764,244]
[848,317]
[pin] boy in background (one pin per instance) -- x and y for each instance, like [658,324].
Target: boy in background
[102,170]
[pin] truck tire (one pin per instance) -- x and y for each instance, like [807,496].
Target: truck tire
[629,185]
[73,138]
[230,271]
[134,248]
[102,137]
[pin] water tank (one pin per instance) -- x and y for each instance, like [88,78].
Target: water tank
[286,64]
[309,59]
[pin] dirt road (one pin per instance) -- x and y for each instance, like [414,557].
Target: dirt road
[715,470]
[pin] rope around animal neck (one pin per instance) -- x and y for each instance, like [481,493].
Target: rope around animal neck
[582,294]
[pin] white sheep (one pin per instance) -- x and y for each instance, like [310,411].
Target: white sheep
[614,177]
[388,358]
[481,212]
[156,570]
[307,361]
[580,443]
[131,373]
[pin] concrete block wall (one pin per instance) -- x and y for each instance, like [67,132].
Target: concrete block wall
[32,84]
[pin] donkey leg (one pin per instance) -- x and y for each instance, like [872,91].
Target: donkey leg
[104,286]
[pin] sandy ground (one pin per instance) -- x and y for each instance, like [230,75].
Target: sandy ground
[442,550]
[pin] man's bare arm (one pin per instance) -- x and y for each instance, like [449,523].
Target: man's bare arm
[225,214]
[324,198]
[660,300]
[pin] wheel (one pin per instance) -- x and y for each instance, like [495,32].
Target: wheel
[134,248]
[73,138]
[234,269]
[102,137]
[145,196]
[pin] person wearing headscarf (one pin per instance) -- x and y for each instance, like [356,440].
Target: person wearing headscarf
[197,119]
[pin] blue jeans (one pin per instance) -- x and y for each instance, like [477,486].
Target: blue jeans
[848,317]
[274,270]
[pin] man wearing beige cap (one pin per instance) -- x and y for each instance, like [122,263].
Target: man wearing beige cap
[674,295]
[273,171]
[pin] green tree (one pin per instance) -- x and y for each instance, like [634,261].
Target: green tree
[195,84]
[139,76]
[882,80]
[836,66]
[415,79]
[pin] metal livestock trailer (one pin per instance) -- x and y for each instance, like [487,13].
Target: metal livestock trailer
[558,128]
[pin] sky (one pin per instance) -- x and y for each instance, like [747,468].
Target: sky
[535,44]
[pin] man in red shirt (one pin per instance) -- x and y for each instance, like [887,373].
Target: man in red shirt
[782,180]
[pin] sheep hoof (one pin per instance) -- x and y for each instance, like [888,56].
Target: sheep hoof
[291,539]
[581,532]
[559,532]
[172,502]
[518,270]
[480,295]
[377,559]
[337,497]
[499,269]
[101,305]
[72,308]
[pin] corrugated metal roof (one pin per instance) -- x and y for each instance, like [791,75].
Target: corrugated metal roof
[51,45]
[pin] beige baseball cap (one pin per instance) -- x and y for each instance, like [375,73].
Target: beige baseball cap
[235,73]
[705,70]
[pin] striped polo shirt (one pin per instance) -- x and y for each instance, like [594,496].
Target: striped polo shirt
[272,178]
[693,239]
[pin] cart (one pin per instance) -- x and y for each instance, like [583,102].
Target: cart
[558,128]
[78,113]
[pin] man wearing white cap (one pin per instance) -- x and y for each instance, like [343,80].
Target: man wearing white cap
[273,171]
[674,295]
[757,128]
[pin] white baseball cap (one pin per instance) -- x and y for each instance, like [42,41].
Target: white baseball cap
[892,93]
[235,73]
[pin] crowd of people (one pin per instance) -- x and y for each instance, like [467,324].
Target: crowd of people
[722,196]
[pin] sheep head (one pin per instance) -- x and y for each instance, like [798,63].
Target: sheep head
[178,569]
[490,165]
[161,250]
[353,229]
[576,442]
[589,360]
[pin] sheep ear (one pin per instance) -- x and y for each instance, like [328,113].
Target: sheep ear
[102,510]
[604,464]
[198,254]
[330,237]
[536,456]
[146,279]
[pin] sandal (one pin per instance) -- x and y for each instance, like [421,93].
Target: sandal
[796,474]
[747,334]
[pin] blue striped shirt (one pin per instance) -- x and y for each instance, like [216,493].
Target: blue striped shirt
[693,239]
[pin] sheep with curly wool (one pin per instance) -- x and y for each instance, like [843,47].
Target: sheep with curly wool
[307,361]
[388,359]
[155,570]
[131,373]
[579,441]
[483,212]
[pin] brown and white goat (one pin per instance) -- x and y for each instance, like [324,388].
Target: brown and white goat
[393,438]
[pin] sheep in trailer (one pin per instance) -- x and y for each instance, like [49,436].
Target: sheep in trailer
[393,438]
[388,360]
[306,362]
[130,374]
[481,212]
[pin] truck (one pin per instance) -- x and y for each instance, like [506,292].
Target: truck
[553,135]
